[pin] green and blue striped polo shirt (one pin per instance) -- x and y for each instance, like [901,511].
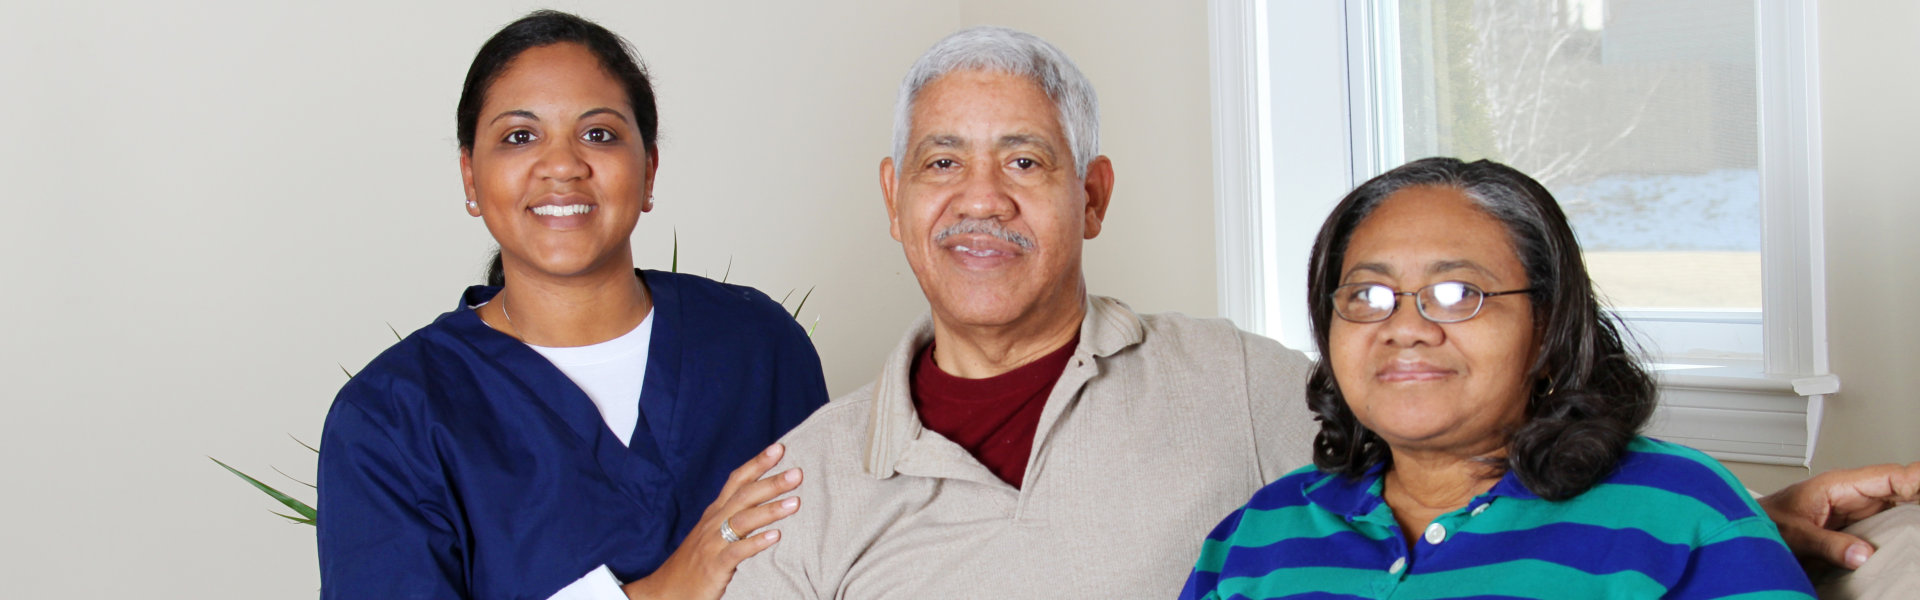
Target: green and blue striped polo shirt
[1669,523]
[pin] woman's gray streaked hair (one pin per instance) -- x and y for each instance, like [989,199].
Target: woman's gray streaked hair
[1003,50]
[1589,395]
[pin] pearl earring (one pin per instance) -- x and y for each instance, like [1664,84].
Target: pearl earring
[472,204]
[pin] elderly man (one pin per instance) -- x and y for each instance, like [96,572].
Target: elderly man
[1028,439]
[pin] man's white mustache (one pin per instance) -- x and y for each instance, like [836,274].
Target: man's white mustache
[986,226]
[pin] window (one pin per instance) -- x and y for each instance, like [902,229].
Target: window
[1679,137]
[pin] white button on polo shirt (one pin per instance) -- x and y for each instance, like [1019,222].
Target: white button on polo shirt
[1436,533]
[1398,564]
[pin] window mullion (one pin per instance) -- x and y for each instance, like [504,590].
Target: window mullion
[1790,191]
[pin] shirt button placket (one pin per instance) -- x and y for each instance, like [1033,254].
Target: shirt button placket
[1396,573]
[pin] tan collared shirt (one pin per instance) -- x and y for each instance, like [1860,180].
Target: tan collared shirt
[1160,426]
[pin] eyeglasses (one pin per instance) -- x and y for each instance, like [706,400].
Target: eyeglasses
[1444,302]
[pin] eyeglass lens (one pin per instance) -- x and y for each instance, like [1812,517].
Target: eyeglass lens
[1444,302]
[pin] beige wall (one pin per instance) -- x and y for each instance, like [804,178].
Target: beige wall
[1869,90]
[216,206]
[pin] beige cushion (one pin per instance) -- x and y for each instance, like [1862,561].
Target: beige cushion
[1894,570]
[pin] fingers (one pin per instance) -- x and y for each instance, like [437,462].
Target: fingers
[730,557]
[753,519]
[704,562]
[1809,512]
[1801,503]
[759,492]
[759,514]
[1906,483]
[1873,481]
[747,473]
[1855,494]
[1835,547]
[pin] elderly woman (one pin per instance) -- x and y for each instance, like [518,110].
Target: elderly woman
[1478,424]
[569,431]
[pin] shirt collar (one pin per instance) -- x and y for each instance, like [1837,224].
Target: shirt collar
[1510,487]
[476,296]
[1108,327]
[1358,497]
[1352,497]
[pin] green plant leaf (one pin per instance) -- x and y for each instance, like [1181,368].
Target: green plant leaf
[303,444]
[295,479]
[343,369]
[293,518]
[674,267]
[723,276]
[396,332]
[288,501]
[803,303]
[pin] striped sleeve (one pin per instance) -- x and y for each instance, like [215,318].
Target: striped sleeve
[1744,559]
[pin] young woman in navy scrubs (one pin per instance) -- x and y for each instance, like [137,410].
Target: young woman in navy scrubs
[569,431]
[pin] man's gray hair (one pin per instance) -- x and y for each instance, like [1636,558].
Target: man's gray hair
[1003,50]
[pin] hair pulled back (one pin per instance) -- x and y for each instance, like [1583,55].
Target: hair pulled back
[545,28]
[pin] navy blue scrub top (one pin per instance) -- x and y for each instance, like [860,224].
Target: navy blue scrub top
[461,464]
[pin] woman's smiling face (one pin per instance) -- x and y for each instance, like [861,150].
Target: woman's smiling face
[558,168]
[1432,386]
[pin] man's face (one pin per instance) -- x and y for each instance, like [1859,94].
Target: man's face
[987,204]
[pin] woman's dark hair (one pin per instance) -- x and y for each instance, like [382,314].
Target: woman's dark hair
[544,28]
[496,269]
[1590,396]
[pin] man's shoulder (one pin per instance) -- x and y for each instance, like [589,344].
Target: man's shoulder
[1178,323]
[837,515]
[830,433]
[849,408]
[1212,338]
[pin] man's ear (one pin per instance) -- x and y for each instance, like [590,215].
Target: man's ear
[1099,187]
[888,187]
[466,181]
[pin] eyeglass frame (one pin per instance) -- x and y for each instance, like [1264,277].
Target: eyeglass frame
[1419,304]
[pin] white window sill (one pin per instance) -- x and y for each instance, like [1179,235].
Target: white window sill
[1734,411]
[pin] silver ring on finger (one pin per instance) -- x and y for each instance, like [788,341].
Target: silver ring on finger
[727,533]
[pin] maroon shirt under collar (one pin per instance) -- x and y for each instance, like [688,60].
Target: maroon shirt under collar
[993,418]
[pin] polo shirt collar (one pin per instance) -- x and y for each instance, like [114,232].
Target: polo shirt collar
[1357,497]
[893,424]
[1510,487]
[1349,497]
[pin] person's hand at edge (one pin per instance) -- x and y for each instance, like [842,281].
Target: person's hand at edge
[1811,513]
[703,564]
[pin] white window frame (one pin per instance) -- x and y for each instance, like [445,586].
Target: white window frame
[1736,408]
